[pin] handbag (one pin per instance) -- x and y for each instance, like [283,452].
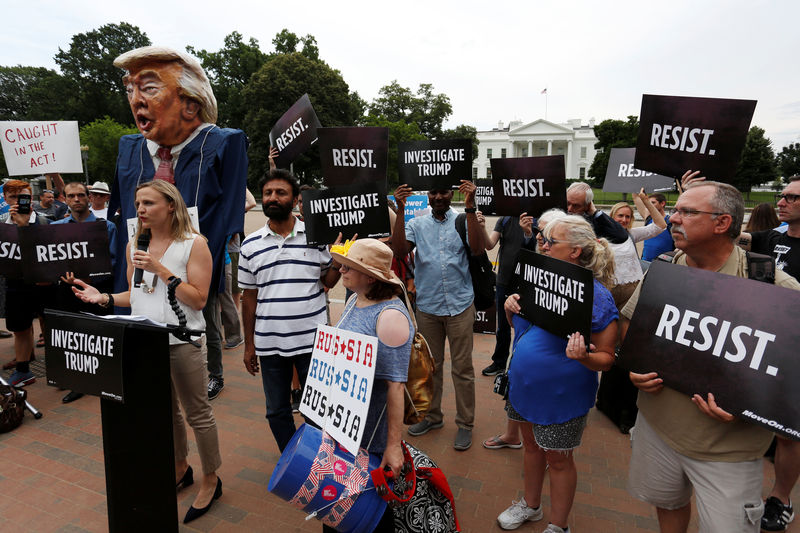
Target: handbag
[501,379]
[419,384]
[12,407]
[483,277]
[421,499]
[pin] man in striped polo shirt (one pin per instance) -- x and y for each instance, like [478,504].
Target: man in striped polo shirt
[283,300]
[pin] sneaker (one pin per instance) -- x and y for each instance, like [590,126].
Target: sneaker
[230,345]
[463,439]
[776,515]
[420,428]
[296,393]
[215,386]
[555,529]
[20,379]
[492,370]
[518,514]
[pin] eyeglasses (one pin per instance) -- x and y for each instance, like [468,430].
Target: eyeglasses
[344,269]
[685,212]
[789,198]
[549,241]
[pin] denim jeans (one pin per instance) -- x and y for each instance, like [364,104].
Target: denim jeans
[276,377]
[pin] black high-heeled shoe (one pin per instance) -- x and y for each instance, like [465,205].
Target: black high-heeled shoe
[186,480]
[194,512]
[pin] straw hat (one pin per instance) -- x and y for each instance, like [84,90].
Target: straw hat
[368,256]
[99,187]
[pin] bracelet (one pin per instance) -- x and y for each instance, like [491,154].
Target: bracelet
[174,281]
[470,209]
[109,302]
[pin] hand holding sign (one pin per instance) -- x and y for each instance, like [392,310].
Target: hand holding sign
[711,408]
[649,382]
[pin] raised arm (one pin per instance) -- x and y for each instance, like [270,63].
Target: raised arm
[476,234]
[645,207]
[400,245]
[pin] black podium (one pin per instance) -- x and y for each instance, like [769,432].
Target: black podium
[126,363]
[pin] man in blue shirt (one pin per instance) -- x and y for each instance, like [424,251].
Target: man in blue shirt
[444,297]
[662,242]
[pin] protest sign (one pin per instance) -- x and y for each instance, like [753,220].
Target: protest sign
[486,321]
[432,165]
[10,253]
[484,196]
[339,384]
[699,331]
[359,208]
[353,155]
[679,133]
[294,132]
[416,206]
[3,204]
[85,354]
[555,295]
[41,147]
[48,251]
[623,176]
[528,184]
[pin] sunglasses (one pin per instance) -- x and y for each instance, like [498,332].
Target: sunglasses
[549,241]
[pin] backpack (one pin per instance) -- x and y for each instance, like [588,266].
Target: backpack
[480,270]
[12,407]
[760,267]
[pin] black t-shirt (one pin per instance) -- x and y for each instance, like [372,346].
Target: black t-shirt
[785,250]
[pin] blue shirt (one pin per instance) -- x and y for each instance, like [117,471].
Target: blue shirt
[441,271]
[661,243]
[112,232]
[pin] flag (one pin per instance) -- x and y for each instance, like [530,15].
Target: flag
[544,91]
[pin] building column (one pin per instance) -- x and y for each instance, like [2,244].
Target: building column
[530,148]
[569,159]
[549,147]
[511,151]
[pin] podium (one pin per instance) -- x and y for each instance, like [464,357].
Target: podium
[126,363]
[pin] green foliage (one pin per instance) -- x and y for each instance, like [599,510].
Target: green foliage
[611,134]
[102,137]
[757,164]
[283,79]
[88,63]
[788,160]
[462,131]
[26,93]
[229,70]
[286,42]
[399,131]
[428,110]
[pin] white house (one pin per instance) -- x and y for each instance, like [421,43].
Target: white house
[538,138]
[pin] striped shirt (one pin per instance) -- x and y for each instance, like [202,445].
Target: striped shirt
[291,300]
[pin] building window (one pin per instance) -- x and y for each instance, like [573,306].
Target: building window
[503,153]
[583,152]
[582,173]
[474,173]
[488,153]
[489,173]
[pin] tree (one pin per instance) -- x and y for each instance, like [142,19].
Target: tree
[463,131]
[757,164]
[428,110]
[88,63]
[26,93]
[283,79]
[610,134]
[788,160]
[229,70]
[399,131]
[102,137]
[286,43]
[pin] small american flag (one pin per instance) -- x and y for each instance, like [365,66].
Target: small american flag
[544,91]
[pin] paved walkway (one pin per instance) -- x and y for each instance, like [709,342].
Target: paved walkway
[52,478]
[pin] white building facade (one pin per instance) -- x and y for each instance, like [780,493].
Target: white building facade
[538,138]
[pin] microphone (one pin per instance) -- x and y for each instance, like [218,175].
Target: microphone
[142,243]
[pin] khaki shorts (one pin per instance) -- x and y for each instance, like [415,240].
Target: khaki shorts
[728,495]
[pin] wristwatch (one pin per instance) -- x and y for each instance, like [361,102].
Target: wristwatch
[470,209]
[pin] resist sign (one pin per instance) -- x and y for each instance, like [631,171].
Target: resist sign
[40,147]
[528,184]
[294,132]
[353,155]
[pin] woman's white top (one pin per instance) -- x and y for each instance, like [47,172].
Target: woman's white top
[627,268]
[155,305]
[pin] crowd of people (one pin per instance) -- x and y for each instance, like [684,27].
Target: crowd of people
[182,182]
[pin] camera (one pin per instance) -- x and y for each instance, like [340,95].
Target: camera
[24,204]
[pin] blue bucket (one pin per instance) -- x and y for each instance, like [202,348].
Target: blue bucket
[294,469]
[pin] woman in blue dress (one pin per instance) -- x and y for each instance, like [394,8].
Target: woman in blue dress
[553,380]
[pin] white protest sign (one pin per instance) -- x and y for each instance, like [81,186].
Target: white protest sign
[339,384]
[39,147]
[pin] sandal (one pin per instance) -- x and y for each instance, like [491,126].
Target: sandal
[495,443]
[40,342]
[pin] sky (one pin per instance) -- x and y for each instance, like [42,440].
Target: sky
[493,59]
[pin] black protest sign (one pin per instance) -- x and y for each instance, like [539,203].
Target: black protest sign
[359,208]
[623,176]
[10,254]
[555,295]
[528,184]
[50,251]
[84,354]
[294,132]
[353,155]
[679,133]
[697,329]
[484,196]
[486,321]
[433,165]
